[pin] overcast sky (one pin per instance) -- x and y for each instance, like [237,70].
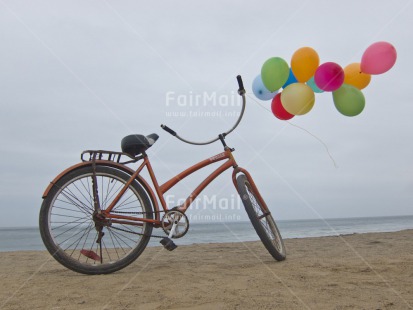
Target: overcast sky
[78,75]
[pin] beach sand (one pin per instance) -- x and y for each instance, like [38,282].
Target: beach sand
[359,271]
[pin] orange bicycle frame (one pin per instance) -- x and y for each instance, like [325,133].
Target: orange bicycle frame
[162,189]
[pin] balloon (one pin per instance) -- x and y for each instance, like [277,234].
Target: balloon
[329,76]
[304,63]
[354,76]
[313,86]
[274,73]
[260,91]
[378,58]
[291,79]
[297,99]
[278,109]
[349,100]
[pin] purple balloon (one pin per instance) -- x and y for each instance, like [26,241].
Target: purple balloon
[329,76]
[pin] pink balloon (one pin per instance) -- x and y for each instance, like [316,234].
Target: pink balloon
[378,58]
[329,76]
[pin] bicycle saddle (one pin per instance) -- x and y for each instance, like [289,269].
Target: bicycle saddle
[136,144]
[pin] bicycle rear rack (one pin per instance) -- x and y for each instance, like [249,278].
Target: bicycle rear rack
[109,155]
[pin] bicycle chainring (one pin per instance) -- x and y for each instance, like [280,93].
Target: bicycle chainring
[182,226]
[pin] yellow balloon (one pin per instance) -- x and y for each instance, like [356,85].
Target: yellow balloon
[297,98]
[354,76]
[304,63]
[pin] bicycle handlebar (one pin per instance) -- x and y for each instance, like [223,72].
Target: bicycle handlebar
[166,128]
[241,92]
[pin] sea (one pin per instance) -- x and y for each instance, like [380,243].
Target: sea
[28,238]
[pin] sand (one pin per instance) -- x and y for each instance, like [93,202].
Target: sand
[359,271]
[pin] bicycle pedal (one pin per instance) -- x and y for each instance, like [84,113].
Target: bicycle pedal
[168,244]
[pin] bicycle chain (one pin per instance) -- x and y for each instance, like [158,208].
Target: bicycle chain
[132,232]
[131,212]
[136,233]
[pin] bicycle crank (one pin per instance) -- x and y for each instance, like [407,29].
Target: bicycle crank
[175,224]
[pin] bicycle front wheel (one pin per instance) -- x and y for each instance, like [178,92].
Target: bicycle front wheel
[78,240]
[262,221]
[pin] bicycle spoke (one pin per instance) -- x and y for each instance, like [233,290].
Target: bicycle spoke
[124,202]
[107,252]
[86,238]
[67,239]
[101,189]
[104,197]
[65,215]
[117,239]
[113,242]
[80,239]
[65,224]
[78,211]
[81,193]
[81,206]
[74,196]
[112,193]
[118,234]
[91,247]
[90,199]
[130,208]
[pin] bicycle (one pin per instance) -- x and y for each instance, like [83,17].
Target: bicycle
[97,216]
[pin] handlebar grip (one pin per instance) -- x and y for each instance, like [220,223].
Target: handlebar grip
[241,89]
[166,128]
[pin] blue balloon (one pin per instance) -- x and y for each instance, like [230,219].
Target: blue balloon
[291,79]
[260,91]
[313,86]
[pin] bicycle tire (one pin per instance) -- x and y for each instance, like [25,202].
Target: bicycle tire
[68,230]
[264,225]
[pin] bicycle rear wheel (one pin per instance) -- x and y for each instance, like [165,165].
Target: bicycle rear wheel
[70,230]
[262,222]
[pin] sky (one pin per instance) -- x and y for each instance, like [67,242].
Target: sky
[77,75]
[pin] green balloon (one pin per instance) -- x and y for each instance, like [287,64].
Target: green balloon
[349,100]
[274,73]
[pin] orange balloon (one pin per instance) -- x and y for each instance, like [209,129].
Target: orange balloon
[304,63]
[354,76]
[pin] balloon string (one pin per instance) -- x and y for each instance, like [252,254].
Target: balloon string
[303,129]
[319,140]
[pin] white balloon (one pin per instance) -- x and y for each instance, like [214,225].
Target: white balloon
[260,91]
